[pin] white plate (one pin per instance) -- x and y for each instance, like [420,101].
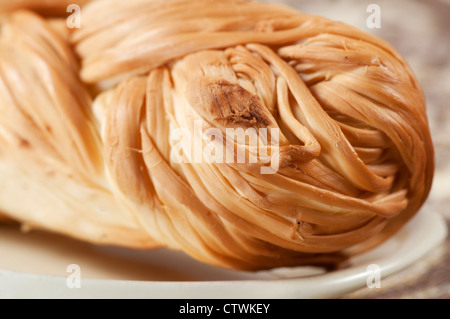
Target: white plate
[34,266]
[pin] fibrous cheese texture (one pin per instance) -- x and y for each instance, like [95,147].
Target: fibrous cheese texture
[88,118]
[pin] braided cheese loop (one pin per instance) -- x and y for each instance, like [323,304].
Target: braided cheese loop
[90,148]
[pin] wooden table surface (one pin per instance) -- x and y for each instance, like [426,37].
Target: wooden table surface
[419,30]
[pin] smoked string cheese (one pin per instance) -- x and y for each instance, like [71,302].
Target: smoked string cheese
[88,118]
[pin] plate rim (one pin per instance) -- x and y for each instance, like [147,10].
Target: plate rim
[337,283]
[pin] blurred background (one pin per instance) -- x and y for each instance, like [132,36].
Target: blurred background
[419,30]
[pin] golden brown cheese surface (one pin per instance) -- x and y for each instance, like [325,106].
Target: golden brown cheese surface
[88,118]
